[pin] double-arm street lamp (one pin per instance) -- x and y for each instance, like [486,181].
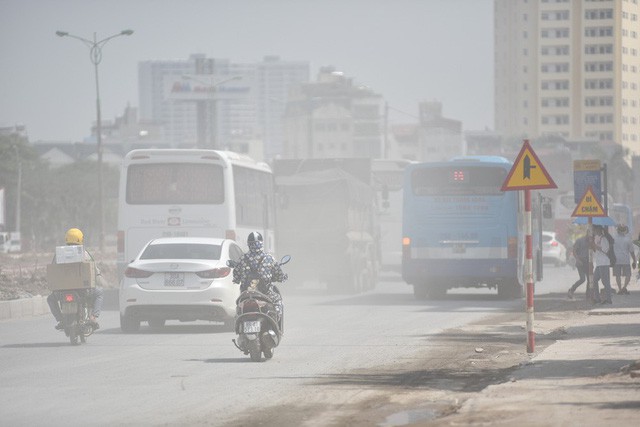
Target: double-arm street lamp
[95,54]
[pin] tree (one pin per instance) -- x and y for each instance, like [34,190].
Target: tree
[53,200]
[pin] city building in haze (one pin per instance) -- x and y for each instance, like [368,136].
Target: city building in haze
[333,117]
[434,138]
[215,103]
[569,68]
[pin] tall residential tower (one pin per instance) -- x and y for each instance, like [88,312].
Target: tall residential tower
[569,68]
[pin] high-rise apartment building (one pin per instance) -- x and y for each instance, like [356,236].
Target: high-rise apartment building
[206,102]
[569,68]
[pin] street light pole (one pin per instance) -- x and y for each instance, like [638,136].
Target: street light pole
[95,54]
[18,190]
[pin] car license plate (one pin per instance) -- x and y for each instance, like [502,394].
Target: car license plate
[251,326]
[174,279]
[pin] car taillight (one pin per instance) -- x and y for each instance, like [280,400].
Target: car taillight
[120,244]
[214,273]
[554,243]
[68,297]
[512,247]
[135,273]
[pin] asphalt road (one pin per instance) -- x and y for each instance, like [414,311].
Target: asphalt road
[191,373]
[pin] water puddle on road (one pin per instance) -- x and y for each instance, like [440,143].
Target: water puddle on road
[409,417]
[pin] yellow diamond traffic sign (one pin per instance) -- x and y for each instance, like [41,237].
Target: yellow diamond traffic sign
[589,205]
[527,172]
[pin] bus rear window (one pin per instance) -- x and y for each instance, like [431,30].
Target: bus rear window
[174,183]
[460,180]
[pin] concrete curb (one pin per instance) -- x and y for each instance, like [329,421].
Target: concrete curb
[23,307]
[37,305]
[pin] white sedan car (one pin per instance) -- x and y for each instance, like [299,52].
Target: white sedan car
[552,250]
[179,278]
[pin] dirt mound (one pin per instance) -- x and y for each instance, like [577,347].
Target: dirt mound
[25,275]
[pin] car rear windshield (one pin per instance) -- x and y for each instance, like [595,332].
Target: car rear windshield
[182,251]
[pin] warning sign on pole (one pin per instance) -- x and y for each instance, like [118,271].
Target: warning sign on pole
[527,172]
[589,205]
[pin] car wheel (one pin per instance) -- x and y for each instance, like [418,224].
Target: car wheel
[128,324]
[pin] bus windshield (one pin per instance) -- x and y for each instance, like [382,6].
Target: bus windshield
[175,183]
[457,180]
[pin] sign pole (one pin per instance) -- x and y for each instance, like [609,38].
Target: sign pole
[591,294]
[528,173]
[528,271]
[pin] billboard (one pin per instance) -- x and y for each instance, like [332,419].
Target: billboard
[203,87]
[586,173]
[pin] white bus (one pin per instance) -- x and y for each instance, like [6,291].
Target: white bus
[190,192]
[387,180]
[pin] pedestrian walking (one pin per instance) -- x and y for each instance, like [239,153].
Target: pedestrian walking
[580,251]
[624,250]
[601,255]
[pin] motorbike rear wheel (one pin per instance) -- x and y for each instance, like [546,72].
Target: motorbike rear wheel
[73,335]
[268,353]
[254,351]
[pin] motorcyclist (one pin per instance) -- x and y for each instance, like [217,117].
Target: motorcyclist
[258,264]
[74,236]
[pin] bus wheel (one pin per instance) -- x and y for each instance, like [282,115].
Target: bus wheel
[510,290]
[437,292]
[420,291]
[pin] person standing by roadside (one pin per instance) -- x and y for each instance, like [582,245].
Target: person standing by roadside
[623,248]
[580,251]
[600,247]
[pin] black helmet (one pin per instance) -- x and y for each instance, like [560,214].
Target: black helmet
[254,236]
[254,241]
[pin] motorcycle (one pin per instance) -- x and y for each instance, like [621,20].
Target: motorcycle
[75,315]
[257,325]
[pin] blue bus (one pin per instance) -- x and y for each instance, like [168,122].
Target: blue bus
[461,230]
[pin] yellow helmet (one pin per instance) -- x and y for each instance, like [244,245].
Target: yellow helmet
[73,237]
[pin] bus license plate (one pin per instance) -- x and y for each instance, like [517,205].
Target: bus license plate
[459,248]
[251,327]
[174,279]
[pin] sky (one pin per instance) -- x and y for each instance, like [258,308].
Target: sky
[408,51]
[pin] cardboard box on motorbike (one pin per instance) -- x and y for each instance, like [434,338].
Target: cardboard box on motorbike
[75,275]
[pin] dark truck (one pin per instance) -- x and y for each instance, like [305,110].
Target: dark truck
[326,218]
